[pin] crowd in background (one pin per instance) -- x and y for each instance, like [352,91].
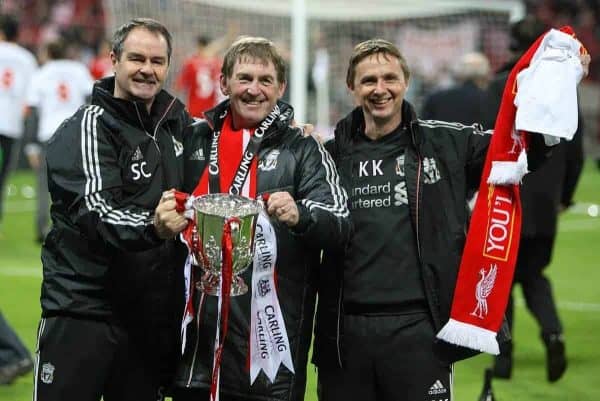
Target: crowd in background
[84,23]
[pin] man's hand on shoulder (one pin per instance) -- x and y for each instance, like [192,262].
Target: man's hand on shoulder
[168,222]
[309,130]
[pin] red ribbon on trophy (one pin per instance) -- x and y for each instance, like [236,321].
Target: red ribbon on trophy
[224,301]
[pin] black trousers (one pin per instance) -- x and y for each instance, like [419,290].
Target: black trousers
[12,348]
[534,256]
[387,358]
[200,394]
[84,360]
[6,151]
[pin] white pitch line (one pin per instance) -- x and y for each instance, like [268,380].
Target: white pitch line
[35,272]
[579,306]
[22,206]
[581,208]
[579,225]
[568,305]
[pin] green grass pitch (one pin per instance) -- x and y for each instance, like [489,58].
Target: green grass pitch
[574,272]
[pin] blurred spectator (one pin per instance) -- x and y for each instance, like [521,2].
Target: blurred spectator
[16,67]
[15,359]
[56,91]
[556,13]
[199,76]
[101,65]
[43,21]
[588,31]
[464,102]
[542,199]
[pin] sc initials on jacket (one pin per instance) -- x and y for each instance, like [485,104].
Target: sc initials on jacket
[140,168]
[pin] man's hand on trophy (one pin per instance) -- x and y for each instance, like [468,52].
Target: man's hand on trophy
[284,208]
[167,221]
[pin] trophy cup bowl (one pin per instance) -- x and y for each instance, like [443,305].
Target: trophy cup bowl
[213,213]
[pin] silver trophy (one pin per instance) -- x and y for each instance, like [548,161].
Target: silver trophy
[230,216]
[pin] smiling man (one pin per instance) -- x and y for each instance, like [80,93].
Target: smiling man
[379,297]
[382,300]
[109,323]
[247,147]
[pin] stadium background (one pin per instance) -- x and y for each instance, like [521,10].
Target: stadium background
[432,35]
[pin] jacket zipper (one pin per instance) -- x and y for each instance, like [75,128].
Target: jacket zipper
[161,120]
[418,201]
[153,136]
[417,207]
[338,340]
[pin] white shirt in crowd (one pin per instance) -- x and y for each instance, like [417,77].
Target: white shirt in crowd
[57,90]
[17,65]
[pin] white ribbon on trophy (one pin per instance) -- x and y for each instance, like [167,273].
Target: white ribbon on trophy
[190,260]
[269,344]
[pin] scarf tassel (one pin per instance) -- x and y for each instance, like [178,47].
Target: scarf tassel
[470,336]
[508,172]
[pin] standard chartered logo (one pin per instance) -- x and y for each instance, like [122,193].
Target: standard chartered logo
[400,192]
[377,194]
[382,195]
[369,196]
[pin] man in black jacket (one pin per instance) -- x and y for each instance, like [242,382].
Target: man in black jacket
[308,212]
[382,302]
[464,102]
[108,327]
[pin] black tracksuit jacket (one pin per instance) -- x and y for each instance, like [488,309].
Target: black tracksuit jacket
[305,170]
[439,218]
[108,165]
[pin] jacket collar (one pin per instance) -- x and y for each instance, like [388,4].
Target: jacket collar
[216,117]
[354,123]
[134,112]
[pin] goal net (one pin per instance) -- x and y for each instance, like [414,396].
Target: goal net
[431,34]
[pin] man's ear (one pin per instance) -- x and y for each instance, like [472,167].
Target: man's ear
[223,85]
[282,87]
[113,58]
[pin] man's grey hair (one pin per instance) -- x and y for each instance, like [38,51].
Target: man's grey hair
[147,23]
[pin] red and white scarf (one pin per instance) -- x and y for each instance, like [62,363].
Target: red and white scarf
[489,257]
[269,343]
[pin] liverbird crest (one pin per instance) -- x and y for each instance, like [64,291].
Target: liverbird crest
[483,289]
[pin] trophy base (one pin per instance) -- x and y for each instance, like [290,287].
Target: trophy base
[210,284]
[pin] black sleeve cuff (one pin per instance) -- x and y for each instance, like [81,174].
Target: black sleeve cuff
[304,220]
[151,235]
